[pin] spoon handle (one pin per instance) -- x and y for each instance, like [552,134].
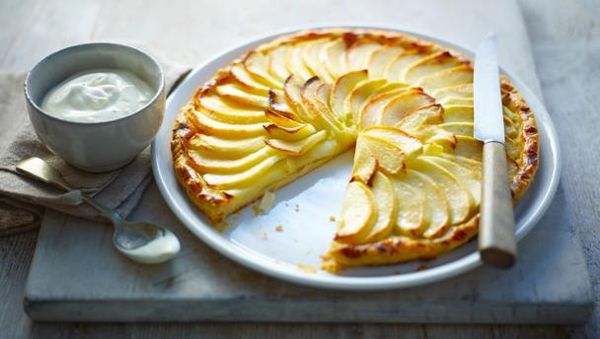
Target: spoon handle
[38,169]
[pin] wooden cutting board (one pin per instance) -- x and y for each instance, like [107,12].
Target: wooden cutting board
[77,276]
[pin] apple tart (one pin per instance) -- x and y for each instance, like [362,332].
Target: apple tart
[405,104]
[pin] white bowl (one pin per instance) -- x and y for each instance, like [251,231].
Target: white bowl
[96,146]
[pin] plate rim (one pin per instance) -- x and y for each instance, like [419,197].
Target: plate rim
[402,280]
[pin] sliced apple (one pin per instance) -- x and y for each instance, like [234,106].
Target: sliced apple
[283,120]
[391,86]
[290,133]
[237,94]
[433,149]
[433,134]
[472,165]
[246,81]
[381,58]
[447,78]
[360,94]
[322,94]
[432,114]
[512,148]
[459,91]
[358,55]
[389,156]
[308,112]
[276,63]
[372,109]
[298,147]
[225,148]
[324,150]
[365,165]
[204,123]
[395,69]
[410,219]
[509,114]
[341,90]
[257,185]
[359,214]
[471,179]
[511,129]
[434,63]
[458,113]
[454,101]
[333,55]
[387,208]
[244,178]
[458,128]
[410,146]
[295,62]
[224,110]
[468,147]
[226,166]
[437,213]
[313,62]
[512,169]
[293,96]
[460,201]
[313,101]
[257,64]
[403,105]
[279,104]
[345,130]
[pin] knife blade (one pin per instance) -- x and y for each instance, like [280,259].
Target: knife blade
[488,125]
[497,243]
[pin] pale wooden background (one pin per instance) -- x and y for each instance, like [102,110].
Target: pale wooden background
[565,36]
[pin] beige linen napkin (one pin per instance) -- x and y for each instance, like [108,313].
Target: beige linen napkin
[22,200]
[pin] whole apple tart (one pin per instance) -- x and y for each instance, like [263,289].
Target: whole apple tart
[404,104]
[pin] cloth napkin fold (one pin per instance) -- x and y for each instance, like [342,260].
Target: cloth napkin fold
[23,200]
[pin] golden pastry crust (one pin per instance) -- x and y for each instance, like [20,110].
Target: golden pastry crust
[206,199]
[528,138]
[398,249]
[217,203]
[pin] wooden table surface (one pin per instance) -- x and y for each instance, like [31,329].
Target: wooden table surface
[565,36]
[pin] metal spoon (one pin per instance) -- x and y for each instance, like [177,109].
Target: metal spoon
[142,242]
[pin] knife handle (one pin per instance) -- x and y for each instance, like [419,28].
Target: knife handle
[497,244]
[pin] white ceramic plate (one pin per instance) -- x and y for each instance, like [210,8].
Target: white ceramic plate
[303,208]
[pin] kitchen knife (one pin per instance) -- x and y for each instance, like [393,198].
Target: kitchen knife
[497,244]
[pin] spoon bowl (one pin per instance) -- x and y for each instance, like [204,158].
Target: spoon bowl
[146,243]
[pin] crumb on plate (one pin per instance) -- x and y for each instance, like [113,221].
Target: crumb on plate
[267,202]
[307,269]
[422,267]
[256,209]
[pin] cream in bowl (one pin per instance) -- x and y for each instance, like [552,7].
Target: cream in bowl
[96,105]
[97,95]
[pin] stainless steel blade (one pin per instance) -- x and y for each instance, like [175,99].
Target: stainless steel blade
[488,125]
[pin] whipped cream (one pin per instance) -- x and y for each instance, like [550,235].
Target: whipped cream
[97,95]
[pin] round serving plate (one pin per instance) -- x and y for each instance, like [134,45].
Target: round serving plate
[287,242]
